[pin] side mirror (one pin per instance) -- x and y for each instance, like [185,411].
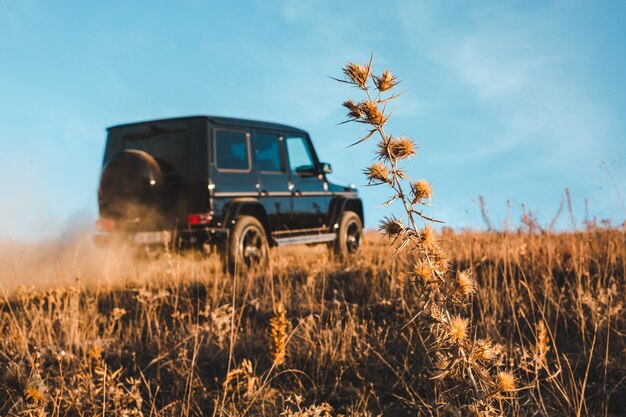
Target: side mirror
[326,168]
[305,170]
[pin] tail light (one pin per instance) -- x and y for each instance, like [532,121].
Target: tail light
[199,219]
[105,225]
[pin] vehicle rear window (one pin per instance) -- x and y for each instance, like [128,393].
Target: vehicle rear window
[268,154]
[232,150]
[166,146]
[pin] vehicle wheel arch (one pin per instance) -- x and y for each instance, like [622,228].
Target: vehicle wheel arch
[340,204]
[248,207]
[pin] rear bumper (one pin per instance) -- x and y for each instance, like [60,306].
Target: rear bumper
[183,239]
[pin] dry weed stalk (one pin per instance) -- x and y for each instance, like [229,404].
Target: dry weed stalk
[278,332]
[465,366]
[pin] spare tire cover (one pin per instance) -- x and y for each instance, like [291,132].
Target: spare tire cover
[129,180]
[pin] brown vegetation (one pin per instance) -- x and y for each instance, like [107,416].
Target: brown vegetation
[187,340]
[466,379]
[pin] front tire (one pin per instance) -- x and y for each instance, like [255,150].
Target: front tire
[349,235]
[247,245]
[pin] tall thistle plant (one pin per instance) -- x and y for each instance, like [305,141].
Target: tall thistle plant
[464,367]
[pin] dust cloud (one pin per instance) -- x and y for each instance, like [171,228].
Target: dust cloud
[61,262]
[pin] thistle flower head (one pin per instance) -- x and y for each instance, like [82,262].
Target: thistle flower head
[34,393]
[358,74]
[386,81]
[377,173]
[373,115]
[354,110]
[439,259]
[422,271]
[442,363]
[484,350]
[505,381]
[396,148]
[391,227]
[465,283]
[428,237]
[457,328]
[421,190]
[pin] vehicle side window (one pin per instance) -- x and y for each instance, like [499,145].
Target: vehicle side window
[300,159]
[232,151]
[268,155]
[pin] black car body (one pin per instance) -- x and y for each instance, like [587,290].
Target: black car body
[194,177]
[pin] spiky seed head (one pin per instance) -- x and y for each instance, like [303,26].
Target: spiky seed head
[357,73]
[439,259]
[457,329]
[442,363]
[377,172]
[505,381]
[483,350]
[386,81]
[34,394]
[435,313]
[465,283]
[421,190]
[373,115]
[391,227]
[428,237]
[397,148]
[422,271]
[354,110]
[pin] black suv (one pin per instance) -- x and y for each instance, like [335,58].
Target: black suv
[240,185]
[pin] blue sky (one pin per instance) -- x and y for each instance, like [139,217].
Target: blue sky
[512,100]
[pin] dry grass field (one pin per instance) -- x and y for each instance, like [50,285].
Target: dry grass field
[101,333]
[525,323]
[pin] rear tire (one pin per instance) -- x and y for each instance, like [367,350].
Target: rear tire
[349,235]
[247,246]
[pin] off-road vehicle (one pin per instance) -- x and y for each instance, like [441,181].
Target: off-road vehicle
[240,185]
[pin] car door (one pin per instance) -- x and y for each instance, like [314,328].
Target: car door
[274,179]
[231,170]
[309,188]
